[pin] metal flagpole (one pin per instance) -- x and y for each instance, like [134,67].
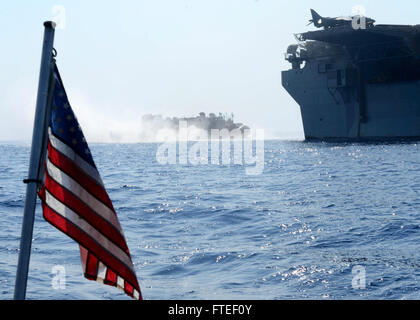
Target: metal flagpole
[34,162]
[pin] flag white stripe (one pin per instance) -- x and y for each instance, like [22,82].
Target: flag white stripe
[101,277]
[83,225]
[79,161]
[101,271]
[70,184]
[83,257]
[120,282]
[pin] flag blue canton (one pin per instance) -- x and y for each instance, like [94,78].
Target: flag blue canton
[64,124]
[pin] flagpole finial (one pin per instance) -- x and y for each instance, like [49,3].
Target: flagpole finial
[50,24]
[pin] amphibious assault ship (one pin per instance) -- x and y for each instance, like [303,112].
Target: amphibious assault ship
[356,81]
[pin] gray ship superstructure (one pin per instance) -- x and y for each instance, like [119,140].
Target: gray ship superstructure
[357,84]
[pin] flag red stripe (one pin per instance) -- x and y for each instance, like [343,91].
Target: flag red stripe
[79,207]
[72,170]
[91,267]
[72,231]
[64,211]
[66,150]
[111,277]
[128,289]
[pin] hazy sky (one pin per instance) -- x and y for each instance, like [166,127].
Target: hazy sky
[122,59]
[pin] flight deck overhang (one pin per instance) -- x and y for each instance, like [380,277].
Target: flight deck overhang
[351,37]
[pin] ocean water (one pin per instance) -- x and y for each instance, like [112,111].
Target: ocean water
[318,213]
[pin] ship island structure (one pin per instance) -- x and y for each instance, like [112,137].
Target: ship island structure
[357,84]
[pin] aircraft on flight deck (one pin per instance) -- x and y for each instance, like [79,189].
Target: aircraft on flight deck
[329,23]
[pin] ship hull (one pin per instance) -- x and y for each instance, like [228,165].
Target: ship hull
[336,108]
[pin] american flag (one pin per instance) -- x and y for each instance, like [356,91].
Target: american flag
[75,201]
